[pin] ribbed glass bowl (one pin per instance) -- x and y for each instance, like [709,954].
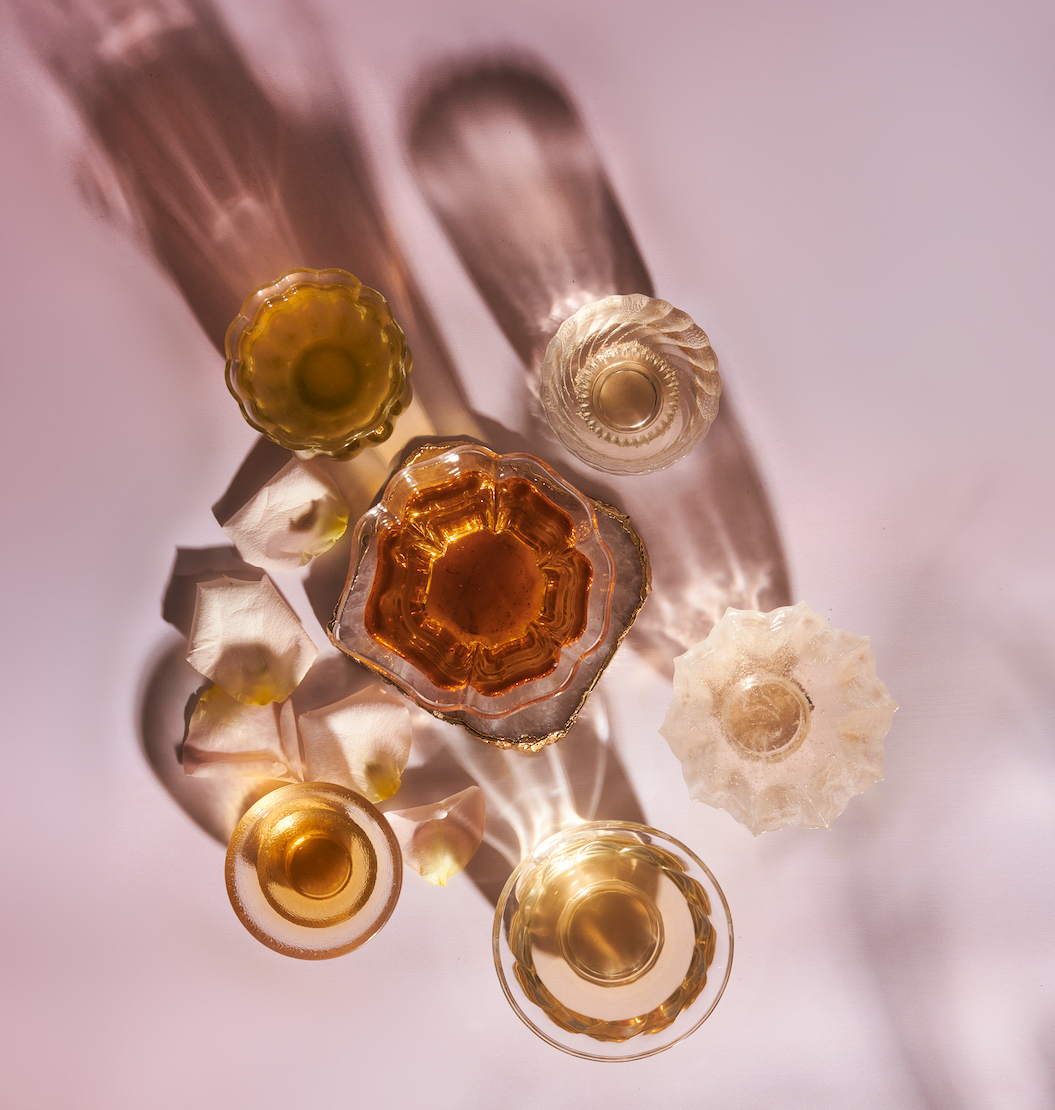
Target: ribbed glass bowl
[509,650]
[318,364]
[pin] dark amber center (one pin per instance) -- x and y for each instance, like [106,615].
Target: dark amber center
[611,935]
[317,866]
[327,377]
[486,586]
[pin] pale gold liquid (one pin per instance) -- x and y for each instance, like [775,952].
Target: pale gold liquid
[595,906]
[626,397]
[315,865]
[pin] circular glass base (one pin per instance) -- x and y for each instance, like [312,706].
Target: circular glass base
[313,870]
[612,941]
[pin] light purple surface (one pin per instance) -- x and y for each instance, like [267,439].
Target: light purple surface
[855,202]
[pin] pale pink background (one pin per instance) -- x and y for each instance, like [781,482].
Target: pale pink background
[855,201]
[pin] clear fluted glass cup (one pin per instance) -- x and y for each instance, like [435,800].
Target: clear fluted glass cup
[630,384]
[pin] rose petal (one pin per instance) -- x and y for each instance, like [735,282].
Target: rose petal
[438,840]
[248,641]
[227,738]
[362,742]
[290,520]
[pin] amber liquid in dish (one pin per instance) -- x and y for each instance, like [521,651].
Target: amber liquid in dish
[594,916]
[480,585]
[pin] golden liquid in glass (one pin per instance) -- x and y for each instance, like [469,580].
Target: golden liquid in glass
[627,395]
[595,905]
[322,366]
[481,584]
[316,867]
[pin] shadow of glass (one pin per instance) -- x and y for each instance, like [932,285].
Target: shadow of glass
[505,163]
[169,692]
[529,796]
[228,187]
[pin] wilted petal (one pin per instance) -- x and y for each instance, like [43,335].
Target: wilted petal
[439,840]
[362,742]
[248,640]
[226,737]
[297,515]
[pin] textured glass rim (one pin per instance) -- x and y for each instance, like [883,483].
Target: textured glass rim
[390,667]
[356,806]
[617,319]
[277,290]
[498,943]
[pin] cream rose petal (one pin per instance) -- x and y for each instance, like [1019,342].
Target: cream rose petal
[362,742]
[290,520]
[248,641]
[228,738]
[438,840]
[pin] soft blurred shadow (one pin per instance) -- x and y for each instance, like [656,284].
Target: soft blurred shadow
[504,161]
[229,188]
[168,696]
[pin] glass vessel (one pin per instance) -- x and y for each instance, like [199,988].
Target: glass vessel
[612,941]
[507,166]
[228,184]
[318,364]
[779,718]
[313,870]
[629,384]
[490,591]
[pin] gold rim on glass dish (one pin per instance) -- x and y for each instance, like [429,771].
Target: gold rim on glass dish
[318,364]
[612,941]
[313,870]
[490,591]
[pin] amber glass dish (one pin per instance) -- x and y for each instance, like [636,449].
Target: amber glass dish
[318,364]
[490,591]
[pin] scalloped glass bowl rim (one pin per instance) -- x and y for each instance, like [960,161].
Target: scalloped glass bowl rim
[464,698]
[278,290]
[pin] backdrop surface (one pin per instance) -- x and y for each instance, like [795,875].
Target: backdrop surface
[854,201]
